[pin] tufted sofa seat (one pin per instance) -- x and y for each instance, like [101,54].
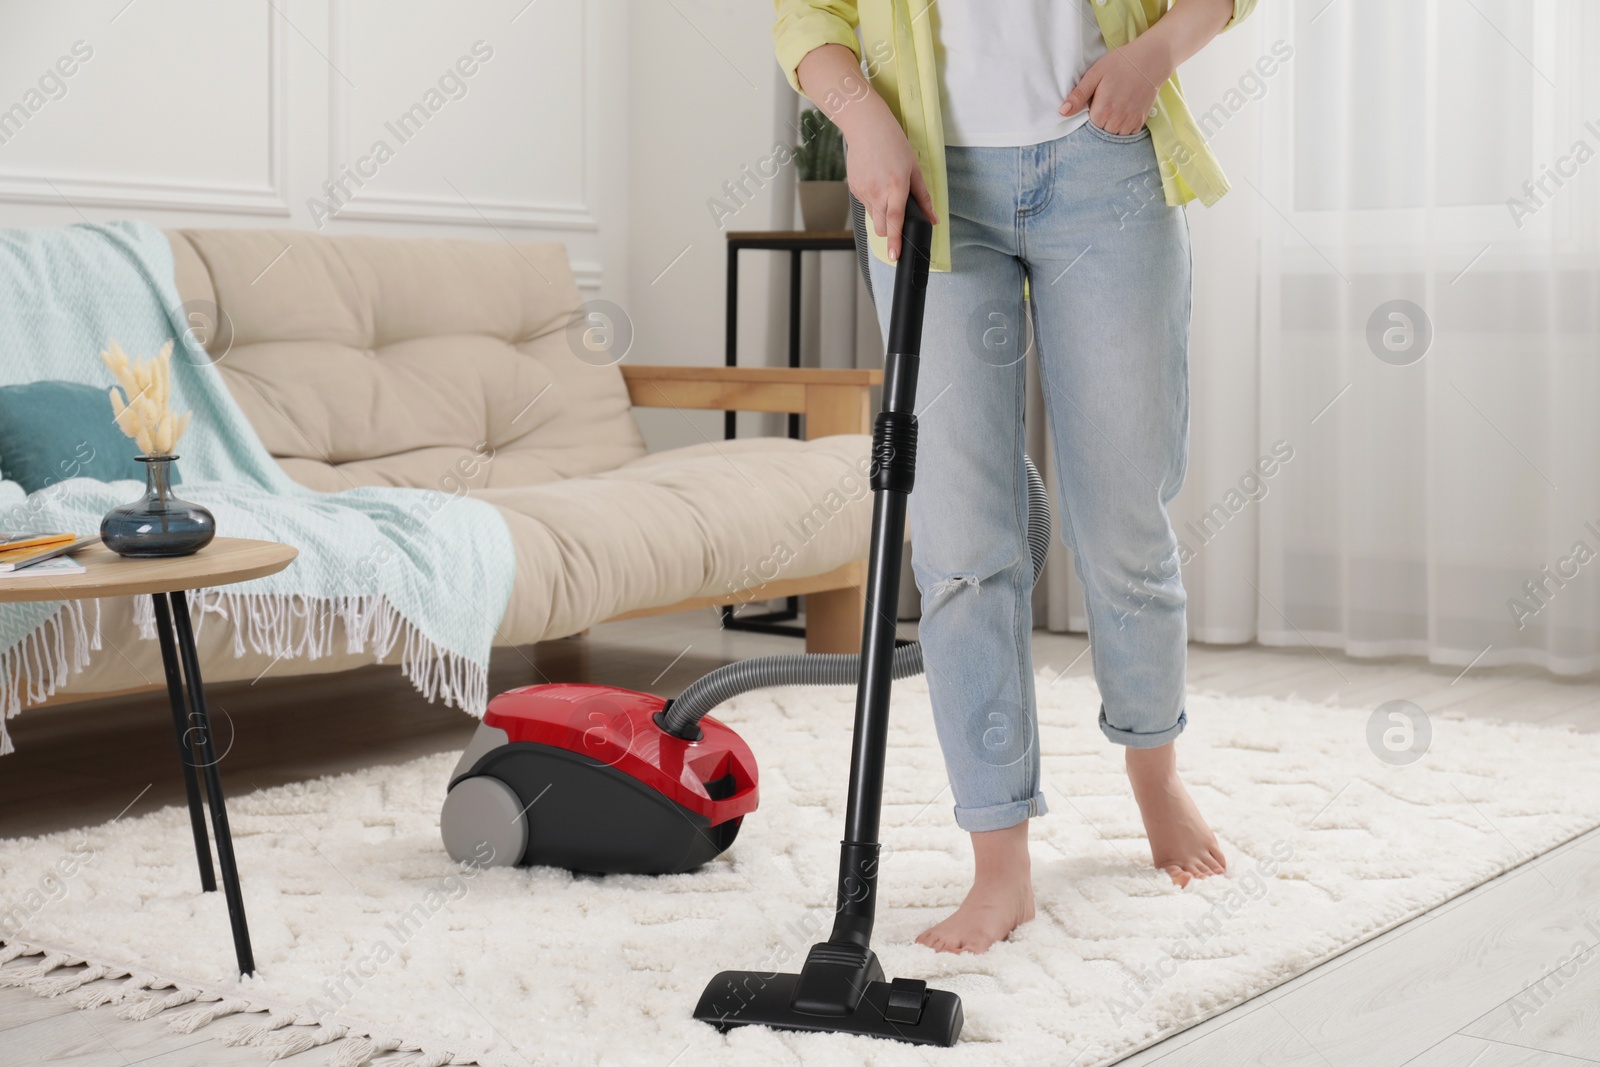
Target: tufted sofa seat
[457,367]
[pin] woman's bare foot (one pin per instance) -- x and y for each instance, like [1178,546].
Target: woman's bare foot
[1180,841]
[1001,897]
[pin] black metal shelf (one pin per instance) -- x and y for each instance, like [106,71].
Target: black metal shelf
[796,243]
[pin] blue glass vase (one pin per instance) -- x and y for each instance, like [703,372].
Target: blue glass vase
[159,524]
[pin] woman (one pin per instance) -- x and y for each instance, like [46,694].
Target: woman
[1049,143]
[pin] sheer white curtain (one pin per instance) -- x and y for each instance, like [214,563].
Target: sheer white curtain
[1395,364]
[1396,355]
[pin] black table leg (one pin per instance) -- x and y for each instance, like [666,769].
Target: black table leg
[730,419]
[180,723]
[795,265]
[200,721]
[791,606]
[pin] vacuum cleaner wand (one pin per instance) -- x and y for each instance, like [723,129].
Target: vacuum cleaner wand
[841,988]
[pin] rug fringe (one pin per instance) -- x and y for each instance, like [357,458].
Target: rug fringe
[280,1031]
[150,1007]
[298,1039]
[98,998]
[22,976]
[360,1051]
[424,1059]
[253,1033]
[187,1022]
[56,986]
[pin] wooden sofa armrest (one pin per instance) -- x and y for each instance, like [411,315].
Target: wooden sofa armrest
[833,401]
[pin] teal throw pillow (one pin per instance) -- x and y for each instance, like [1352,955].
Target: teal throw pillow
[52,431]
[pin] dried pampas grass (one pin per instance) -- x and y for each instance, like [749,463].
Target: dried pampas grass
[143,406]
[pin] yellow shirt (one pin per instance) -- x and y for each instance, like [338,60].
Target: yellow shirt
[894,28]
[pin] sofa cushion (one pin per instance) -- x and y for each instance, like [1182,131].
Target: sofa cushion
[705,520]
[428,363]
[574,541]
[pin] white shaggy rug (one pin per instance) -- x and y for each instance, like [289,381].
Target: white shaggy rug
[1328,844]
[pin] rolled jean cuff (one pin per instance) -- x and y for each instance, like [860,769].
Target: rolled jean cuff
[1134,739]
[999,816]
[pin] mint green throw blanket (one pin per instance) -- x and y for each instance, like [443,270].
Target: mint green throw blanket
[378,566]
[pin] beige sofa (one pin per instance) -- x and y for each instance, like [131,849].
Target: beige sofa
[447,365]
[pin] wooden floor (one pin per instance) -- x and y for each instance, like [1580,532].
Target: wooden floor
[1437,992]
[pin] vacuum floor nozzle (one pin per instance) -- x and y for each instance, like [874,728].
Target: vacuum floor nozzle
[902,1010]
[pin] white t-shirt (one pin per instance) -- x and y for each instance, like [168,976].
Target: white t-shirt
[1005,66]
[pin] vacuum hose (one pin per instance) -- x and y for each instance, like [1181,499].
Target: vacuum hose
[681,715]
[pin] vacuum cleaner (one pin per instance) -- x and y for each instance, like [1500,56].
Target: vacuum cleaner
[600,779]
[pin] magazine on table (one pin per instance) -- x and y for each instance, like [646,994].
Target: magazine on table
[24,551]
[55,567]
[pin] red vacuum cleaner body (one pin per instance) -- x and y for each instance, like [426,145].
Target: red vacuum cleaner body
[581,776]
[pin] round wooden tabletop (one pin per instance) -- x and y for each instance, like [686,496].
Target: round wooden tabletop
[224,561]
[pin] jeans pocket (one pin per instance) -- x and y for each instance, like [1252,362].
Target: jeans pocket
[1117,138]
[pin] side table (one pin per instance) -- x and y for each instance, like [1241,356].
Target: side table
[794,242]
[224,561]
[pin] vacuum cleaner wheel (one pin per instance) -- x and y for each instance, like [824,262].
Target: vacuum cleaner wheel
[484,824]
[572,812]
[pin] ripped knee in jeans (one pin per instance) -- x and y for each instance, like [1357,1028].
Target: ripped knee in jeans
[948,585]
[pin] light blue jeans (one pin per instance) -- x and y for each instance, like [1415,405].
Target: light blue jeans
[1083,219]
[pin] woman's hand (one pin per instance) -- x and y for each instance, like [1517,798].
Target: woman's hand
[1120,88]
[883,172]
[880,164]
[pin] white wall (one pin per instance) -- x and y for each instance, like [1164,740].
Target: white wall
[194,113]
[706,98]
[605,124]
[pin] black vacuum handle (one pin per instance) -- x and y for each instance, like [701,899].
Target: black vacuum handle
[910,286]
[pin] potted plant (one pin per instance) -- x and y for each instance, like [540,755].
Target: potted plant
[824,196]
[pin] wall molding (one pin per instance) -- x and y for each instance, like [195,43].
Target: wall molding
[588,274]
[410,207]
[267,198]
